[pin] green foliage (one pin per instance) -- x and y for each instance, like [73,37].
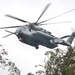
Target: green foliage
[7,64]
[30,74]
[60,62]
[68,66]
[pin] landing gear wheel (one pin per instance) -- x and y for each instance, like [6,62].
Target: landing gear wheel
[37,47]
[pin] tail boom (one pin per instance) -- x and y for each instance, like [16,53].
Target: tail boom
[71,38]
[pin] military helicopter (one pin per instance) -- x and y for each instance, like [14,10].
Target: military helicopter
[34,35]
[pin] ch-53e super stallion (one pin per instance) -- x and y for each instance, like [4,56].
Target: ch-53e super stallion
[34,35]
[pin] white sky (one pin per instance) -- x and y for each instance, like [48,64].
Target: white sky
[25,56]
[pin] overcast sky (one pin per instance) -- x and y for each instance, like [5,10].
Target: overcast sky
[24,56]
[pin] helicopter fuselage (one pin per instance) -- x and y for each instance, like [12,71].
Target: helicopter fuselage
[35,37]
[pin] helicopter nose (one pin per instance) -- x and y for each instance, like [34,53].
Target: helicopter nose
[17,32]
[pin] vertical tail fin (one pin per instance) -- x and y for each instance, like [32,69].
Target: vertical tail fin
[70,39]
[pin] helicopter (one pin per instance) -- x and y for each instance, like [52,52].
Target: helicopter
[32,34]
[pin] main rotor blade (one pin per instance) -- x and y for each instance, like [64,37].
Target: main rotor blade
[65,36]
[7,35]
[56,23]
[16,18]
[9,27]
[9,32]
[57,16]
[43,12]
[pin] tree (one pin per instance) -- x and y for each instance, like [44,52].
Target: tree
[30,74]
[59,62]
[7,64]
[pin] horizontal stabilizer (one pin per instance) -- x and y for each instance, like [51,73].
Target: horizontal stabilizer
[65,36]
